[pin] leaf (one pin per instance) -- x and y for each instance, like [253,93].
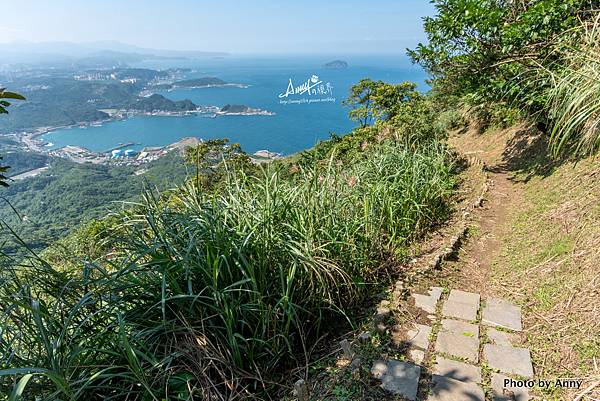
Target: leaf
[20,387]
[10,95]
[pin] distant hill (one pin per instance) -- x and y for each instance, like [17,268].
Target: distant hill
[93,54]
[336,64]
[160,103]
[235,109]
[199,83]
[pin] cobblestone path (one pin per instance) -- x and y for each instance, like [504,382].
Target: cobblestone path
[468,351]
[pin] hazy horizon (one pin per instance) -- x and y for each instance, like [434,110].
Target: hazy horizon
[262,27]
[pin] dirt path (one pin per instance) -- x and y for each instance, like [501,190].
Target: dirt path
[473,267]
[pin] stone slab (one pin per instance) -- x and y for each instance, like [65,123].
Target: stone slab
[419,336]
[417,356]
[447,389]
[457,370]
[399,378]
[428,302]
[509,360]
[462,328]
[461,305]
[499,312]
[501,393]
[500,338]
[458,345]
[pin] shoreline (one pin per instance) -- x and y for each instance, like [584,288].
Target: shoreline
[31,141]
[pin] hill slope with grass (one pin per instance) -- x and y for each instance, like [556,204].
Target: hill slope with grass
[542,250]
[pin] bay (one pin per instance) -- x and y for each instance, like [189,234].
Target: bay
[294,127]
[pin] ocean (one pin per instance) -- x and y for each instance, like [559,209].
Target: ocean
[300,121]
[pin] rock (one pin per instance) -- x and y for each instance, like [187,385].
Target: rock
[461,305]
[301,390]
[457,370]
[380,328]
[417,356]
[447,389]
[418,336]
[399,378]
[383,311]
[355,365]
[502,393]
[500,338]
[364,337]
[510,360]
[347,349]
[499,312]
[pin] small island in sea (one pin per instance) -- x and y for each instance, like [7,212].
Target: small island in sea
[336,65]
[242,110]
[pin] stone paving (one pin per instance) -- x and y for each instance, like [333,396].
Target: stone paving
[469,345]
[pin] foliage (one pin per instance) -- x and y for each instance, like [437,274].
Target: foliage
[483,46]
[4,94]
[22,161]
[211,159]
[54,203]
[3,178]
[201,294]
[3,105]
[373,101]
[509,59]
[574,98]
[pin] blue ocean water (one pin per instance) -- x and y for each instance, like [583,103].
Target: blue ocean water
[294,127]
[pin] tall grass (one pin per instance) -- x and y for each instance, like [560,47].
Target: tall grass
[215,297]
[574,99]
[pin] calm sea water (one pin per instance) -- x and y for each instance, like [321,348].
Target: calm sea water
[294,127]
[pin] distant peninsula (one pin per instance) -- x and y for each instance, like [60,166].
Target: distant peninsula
[336,64]
[242,110]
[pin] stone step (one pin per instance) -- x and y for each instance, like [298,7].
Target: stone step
[510,360]
[500,337]
[447,389]
[397,377]
[428,302]
[458,339]
[457,370]
[461,305]
[502,313]
[508,392]
[418,336]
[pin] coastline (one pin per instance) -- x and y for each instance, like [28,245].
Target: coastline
[31,140]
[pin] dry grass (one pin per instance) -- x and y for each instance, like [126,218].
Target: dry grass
[550,264]
[548,249]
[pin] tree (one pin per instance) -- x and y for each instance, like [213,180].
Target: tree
[360,101]
[210,158]
[3,105]
[373,101]
[494,48]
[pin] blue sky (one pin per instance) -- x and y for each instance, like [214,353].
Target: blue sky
[263,26]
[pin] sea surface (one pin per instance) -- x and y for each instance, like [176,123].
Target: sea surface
[297,125]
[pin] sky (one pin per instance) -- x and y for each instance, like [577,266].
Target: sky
[235,26]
